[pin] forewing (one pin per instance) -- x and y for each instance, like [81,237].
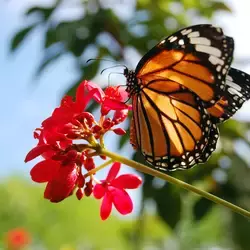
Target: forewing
[197,58]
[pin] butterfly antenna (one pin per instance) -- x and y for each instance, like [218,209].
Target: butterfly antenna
[100,59]
[107,60]
[118,65]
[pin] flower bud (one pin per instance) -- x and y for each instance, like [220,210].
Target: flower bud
[107,124]
[89,164]
[96,129]
[103,157]
[89,188]
[80,180]
[79,193]
[119,131]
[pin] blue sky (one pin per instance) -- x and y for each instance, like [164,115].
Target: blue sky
[25,103]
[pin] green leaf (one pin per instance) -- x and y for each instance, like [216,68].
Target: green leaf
[168,204]
[90,70]
[44,12]
[241,228]
[201,208]
[20,36]
[51,38]
[220,6]
[233,129]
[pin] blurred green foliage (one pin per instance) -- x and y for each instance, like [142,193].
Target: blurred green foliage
[77,224]
[108,28]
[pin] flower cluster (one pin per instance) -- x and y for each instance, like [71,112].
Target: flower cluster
[64,160]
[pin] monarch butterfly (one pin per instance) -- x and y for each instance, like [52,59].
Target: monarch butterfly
[180,90]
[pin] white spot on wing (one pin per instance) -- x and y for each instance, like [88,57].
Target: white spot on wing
[200,40]
[215,60]
[218,68]
[209,50]
[194,34]
[181,42]
[234,92]
[173,39]
[229,78]
[224,71]
[233,85]
[185,32]
[162,42]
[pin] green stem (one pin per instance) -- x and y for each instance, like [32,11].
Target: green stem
[182,184]
[93,171]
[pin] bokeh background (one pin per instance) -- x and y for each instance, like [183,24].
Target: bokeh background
[44,45]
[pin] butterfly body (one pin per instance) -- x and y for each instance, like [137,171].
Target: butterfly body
[180,90]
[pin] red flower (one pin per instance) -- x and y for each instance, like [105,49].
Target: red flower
[112,98]
[64,161]
[61,180]
[112,190]
[70,109]
[17,238]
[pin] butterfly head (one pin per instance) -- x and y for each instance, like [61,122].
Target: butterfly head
[132,82]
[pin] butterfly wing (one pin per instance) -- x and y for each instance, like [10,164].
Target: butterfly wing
[197,58]
[236,93]
[171,130]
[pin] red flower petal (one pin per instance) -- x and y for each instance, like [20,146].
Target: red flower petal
[44,171]
[127,181]
[120,116]
[106,206]
[99,94]
[105,110]
[99,191]
[123,93]
[94,93]
[62,185]
[114,105]
[122,201]
[36,151]
[80,100]
[113,171]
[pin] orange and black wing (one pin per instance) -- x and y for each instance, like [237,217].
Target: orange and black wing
[197,58]
[236,93]
[173,131]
